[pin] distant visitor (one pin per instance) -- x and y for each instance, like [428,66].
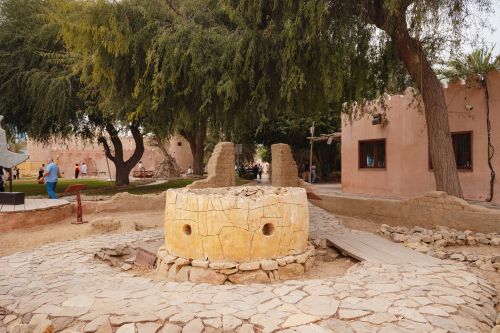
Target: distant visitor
[51,178]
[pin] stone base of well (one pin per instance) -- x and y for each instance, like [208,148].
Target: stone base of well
[180,269]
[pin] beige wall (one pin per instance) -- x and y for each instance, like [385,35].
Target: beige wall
[407,170]
[68,153]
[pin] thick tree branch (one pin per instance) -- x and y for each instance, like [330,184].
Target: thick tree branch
[139,146]
[107,151]
[115,140]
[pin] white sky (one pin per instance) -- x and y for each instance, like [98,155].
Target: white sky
[492,38]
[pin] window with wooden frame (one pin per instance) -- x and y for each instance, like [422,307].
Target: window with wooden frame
[372,154]
[462,148]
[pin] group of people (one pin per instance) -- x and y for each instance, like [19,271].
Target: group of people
[80,169]
[49,174]
[2,180]
[6,175]
[257,171]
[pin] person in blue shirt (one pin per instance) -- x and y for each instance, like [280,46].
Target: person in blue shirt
[51,178]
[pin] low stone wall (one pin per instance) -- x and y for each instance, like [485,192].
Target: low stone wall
[429,211]
[180,269]
[434,242]
[119,202]
[126,202]
[33,218]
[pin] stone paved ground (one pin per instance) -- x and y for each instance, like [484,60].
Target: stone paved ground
[79,294]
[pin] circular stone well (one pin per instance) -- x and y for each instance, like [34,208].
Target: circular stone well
[236,224]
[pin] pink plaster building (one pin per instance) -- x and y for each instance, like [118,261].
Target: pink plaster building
[68,153]
[392,159]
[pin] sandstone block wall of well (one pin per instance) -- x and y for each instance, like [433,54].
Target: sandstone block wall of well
[220,168]
[240,224]
[283,166]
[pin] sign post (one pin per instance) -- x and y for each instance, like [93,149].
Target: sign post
[77,188]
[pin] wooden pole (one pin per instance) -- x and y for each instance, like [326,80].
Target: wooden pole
[109,171]
[10,179]
[311,154]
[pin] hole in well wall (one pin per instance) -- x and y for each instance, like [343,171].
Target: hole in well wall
[268,229]
[186,229]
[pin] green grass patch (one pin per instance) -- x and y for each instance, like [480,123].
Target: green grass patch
[31,188]
[95,187]
[102,187]
[149,189]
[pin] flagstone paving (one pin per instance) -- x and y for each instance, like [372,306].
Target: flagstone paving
[63,283]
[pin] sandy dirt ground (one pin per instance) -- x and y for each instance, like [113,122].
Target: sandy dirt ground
[357,224]
[323,270]
[26,239]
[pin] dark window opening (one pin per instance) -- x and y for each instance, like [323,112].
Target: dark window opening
[179,144]
[372,154]
[462,148]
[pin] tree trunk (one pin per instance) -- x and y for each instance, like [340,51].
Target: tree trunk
[436,112]
[122,167]
[122,174]
[168,166]
[491,148]
[197,146]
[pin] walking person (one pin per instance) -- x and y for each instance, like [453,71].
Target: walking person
[313,172]
[84,169]
[255,171]
[260,171]
[40,171]
[77,170]
[18,173]
[51,178]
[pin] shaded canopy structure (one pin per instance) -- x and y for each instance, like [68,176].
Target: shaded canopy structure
[329,138]
[8,159]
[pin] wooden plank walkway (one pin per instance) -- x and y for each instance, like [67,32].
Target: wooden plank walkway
[364,246]
[33,204]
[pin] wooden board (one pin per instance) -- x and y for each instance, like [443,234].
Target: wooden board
[364,246]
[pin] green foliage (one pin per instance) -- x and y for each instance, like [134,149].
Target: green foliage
[476,64]
[112,39]
[37,90]
[250,71]
[190,68]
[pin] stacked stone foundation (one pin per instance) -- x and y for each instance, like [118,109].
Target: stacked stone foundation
[179,269]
